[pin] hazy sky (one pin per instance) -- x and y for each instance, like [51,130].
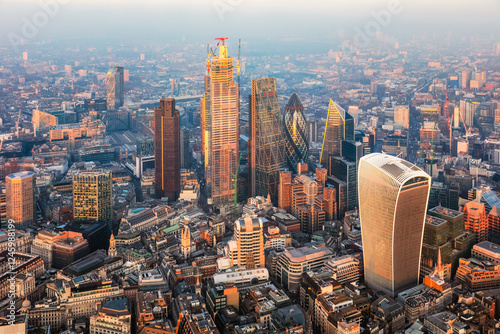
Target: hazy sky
[199,20]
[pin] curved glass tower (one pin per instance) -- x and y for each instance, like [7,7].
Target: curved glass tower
[297,142]
[393,195]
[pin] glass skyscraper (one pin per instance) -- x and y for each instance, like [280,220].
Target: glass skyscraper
[267,144]
[393,195]
[296,137]
[115,90]
[339,126]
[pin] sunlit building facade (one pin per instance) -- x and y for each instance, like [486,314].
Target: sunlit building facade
[476,221]
[220,127]
[93,196]
[42,120]
[249,240]
[115,89]
[393,195]
[339,126]
[19,197]
[296,133]
[267,145]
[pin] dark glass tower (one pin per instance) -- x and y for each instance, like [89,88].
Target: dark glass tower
[267,144]
[167,150]
[296,138]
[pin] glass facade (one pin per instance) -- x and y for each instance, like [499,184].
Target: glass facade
[393,196]
[339,126]
[297,141]
[267,145]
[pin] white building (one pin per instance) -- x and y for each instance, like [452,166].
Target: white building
[241,276]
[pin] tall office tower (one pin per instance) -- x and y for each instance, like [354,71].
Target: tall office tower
[167,150]
[312,131]
[466,76]
[185,151]
[93,197]
[297,142]
[393,196]
[476,221]
[402,116]
[249,238]
[266,146]
[352,150]
[367,139]
[285,191]
[346,171]
[20,204]
[468,111]
[220,128]
[354,112]
[340,195]
[115,90]
[339,126]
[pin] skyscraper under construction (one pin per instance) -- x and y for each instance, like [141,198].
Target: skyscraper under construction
[339,126]
[220,127]
[267,145]
[295,128]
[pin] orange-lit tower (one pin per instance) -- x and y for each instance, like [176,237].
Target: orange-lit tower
[220,126]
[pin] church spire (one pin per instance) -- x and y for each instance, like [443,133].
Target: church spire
[112,246]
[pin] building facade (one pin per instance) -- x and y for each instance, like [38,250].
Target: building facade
[339,126]
[115,91]
[296,132]
[167,150]
[393,195]
[220,128]
[20,204]
[93,196]
[266,147]
[249,237]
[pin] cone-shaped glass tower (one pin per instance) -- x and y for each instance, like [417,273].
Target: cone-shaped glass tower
[297,143]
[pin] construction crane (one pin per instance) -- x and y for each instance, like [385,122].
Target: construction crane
[236,189]
[467,130]
[17,123]
[221,39]
[361,100]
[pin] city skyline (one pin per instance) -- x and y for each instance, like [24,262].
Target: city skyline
[236,167]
